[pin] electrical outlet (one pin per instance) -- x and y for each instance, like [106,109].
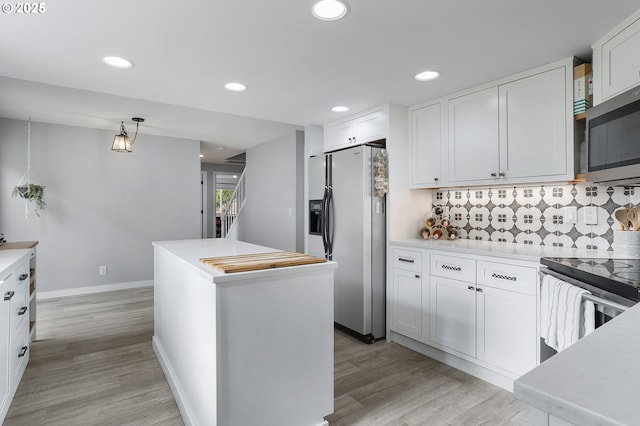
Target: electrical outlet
[102,270]
[571,215]
[591,215]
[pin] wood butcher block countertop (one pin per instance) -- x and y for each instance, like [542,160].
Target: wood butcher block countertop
[259,261]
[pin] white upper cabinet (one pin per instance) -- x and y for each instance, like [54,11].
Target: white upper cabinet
[473,137]
[517,130]
[616,60]
[425,139]
[533,131]
[336,135]
[361,129]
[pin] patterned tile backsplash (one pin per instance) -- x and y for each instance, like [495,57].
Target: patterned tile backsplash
[536,214]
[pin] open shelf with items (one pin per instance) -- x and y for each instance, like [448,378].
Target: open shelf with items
[32,280]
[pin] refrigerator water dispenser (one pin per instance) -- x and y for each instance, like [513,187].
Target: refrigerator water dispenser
[315,217]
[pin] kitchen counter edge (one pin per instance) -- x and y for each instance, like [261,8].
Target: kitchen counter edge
[524,252]
[191,251]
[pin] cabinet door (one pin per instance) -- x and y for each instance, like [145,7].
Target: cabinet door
[453,314]
[533,127]
[369,128]
[620,65]
[425,138]
[338,136]
[18,356]
[407,303]
[473,137]
[507,329]
[4,348]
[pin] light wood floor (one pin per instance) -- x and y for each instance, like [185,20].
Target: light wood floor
[93,364]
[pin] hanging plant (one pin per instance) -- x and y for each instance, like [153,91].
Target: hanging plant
[27,190]
[31,192]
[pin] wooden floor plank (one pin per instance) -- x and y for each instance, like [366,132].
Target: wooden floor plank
[94,365]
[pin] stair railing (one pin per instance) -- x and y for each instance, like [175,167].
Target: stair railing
[233,207]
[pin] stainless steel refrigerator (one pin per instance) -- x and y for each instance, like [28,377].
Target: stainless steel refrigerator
[347,225]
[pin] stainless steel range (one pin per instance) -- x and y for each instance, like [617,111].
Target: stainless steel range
[614,285]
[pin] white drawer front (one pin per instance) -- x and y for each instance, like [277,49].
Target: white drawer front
[457,268]
[19,356]
[20,302]
[408,260]
[522,279]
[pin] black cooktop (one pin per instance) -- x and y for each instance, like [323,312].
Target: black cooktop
[619,276]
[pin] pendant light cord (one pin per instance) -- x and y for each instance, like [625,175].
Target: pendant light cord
[29,152]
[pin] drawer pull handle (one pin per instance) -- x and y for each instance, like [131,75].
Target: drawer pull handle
[470,287]
[479,289]
[504,277]
[451,268]
[402,259]
[9,295]
[22,310]
[23,351]
[23,277]
[417,276]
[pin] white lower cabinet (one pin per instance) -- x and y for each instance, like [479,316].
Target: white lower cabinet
[506,324]
[14,330]
[453,314]
[408,295]
[479,308]
[5,321]
[407,315]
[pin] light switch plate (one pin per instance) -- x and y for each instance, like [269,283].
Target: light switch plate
[571,214]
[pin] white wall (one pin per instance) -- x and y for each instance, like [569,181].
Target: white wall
[103,207]
[313,145]
[274,175]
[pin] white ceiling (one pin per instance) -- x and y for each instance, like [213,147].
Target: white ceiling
[296,67]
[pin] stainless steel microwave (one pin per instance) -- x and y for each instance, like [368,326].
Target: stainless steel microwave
[613,140]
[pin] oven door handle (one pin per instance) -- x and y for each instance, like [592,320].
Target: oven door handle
[589,296]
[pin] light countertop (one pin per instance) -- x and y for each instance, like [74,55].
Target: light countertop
[596,381]
[9,259]
[191,251]
[506,250]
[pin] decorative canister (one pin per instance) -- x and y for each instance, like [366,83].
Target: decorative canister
[626,244]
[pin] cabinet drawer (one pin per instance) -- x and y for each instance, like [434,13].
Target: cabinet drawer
[522,279]
[457,268]
[408,260]
[20,302]
[19,355]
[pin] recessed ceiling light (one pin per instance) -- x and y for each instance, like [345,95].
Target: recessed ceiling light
[235,87]
[117,62]
[427,75]
[201,155]
[330,10]
[340,108]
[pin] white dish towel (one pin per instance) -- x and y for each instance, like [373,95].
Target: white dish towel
[564,316]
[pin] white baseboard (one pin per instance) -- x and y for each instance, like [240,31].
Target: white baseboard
[43,295]
[174,385]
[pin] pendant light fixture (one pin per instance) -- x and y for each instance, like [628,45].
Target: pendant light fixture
[122,142]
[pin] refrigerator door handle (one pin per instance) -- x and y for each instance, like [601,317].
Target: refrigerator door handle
[330,219]
[323,218]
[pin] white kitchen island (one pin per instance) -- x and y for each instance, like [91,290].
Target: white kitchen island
[246,348]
